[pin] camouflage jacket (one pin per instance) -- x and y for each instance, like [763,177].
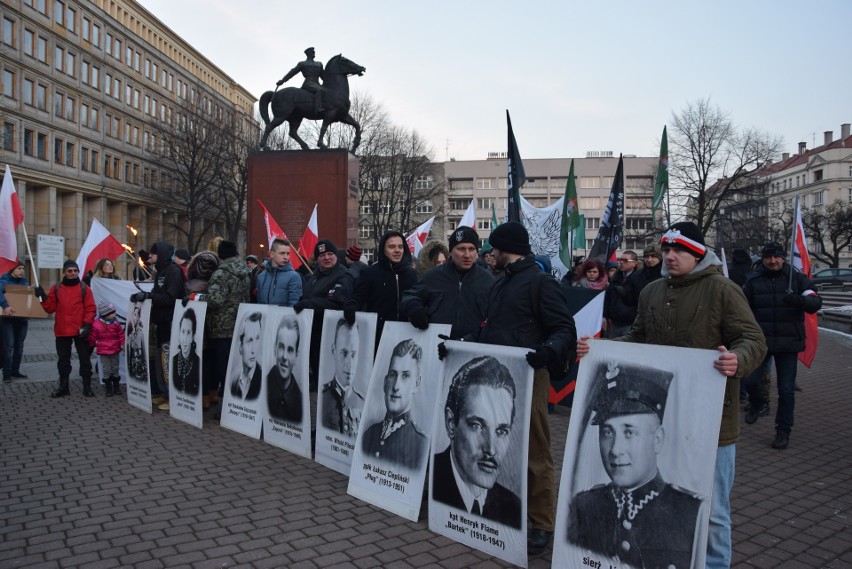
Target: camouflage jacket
[229,286]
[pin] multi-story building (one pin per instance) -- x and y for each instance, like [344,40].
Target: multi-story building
[85,85]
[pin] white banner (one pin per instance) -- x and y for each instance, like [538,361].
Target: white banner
[137,366]
[389,466]
[480,441]
[185,363]
[243,408]
[639,458]
[543,225]
[286,360]
[346,362]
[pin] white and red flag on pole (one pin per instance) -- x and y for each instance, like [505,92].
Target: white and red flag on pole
[418,237]
[309,238]
[801,260]
[273,230]
[99,244]
[469,217]
[11,216]
[586,305]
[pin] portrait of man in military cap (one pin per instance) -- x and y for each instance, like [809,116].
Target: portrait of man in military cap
[638,517]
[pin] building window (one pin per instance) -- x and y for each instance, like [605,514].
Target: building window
[41,50]
[365,231]
[69,154]
[94,162]
[817,175]
[484,183]
[108,84]
[607,181]
[58,58]
[84,159]
[590,183]
[86,25]
[135,98]
[423,207]
[459,204]
[84,114]
[8,136]
[29,89]
[9,83]
[28,142]
[638,223]
[593,222]
[41,146]
[108,166]
[71,20]
[136,60]
[154,72]
[70,64]
[116,168]
[29,42]
[818,198]
[59,12]
[589,203]
[135,140]
[422,182]
[94,119]
[108,44]
[128,56]
[58,99]
[8,32]
[58,155]
[483,224]
[116,88]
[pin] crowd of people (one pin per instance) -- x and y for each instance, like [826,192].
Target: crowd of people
[498,294]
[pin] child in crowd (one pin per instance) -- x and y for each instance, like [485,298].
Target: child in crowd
[108,338]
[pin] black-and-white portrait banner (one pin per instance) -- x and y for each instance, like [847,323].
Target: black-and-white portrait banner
[639,458]
[243,404]
[480,442]
[137,365]
[391,452]
[186,354]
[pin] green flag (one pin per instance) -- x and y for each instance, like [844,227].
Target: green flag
[580,235]
[570,219]
[494,223]
[661,184]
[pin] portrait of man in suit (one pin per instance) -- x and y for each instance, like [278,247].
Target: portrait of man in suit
[245,384]
[282,389]
[479,415]
[341,404]
[396,438]
[637,517]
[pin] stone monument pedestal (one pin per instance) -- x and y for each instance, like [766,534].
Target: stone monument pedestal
[290,182]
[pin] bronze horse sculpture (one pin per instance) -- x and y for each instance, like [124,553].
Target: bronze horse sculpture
[294,104]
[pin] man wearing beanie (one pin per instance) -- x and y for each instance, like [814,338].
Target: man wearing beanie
[695,306]
[779,305]
[74,306]
[168,288]
[353,261]
[453,293]
[548,330]
[327,288]
[279,284]
[229,286]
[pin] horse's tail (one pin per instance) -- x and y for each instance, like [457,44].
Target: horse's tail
[265,99]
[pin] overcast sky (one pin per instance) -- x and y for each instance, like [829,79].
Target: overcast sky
[575,76]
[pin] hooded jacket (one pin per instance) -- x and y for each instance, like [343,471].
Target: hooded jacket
[782,324]
[73,307]
[279,285]
[7,278]
[704,310]
[168,288]
[107,337]
[380,286]
[423,262]
[229,286]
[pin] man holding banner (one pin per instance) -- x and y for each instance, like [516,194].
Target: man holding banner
[779,297]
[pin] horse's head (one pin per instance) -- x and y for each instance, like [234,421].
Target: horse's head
[340,64]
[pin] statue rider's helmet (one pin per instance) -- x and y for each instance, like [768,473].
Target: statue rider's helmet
[310,52]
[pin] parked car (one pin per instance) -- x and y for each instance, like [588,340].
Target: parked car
[832,278]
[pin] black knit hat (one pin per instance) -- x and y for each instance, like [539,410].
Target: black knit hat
[227,249]
[773,249]
[70,263]
[464,234]
[324,246]
[511,237]
[686,236]
[183,254]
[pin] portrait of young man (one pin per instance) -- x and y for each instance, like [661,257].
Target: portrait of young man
[283,395]
[247,377]
[341,404]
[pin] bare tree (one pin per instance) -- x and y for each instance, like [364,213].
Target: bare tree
[829,228]
[239,139]
[711,160]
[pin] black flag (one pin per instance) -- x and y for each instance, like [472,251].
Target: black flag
[517,177]
[611,231]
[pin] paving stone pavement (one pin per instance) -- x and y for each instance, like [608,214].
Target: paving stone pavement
[96,483]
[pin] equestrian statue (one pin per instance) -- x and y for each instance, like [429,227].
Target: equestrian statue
[324,95]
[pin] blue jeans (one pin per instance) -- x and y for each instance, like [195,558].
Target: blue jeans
[14,334]
[786,365]
[719,535]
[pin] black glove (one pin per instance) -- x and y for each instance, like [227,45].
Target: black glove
[299,306]
[794,300]
[85,330]
[140,296]
[540,357]
[349,315]
[419,319]
[442,347]
[184,301]
[40,294]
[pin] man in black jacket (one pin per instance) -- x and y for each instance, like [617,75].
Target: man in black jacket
[527,308]
[454,293]
[779,306]
[621,296]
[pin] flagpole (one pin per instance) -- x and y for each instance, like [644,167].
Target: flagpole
[30,253]
[304,262]
[793,242]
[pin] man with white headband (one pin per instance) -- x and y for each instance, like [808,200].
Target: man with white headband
[695,306]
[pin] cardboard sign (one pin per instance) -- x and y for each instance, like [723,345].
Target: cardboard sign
[23,302]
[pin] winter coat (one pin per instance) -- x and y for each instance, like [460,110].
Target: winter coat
[73,308]
[168,287]
[107,336]
[355,269]
[7,278]
[644,277]
[704,310]
[621,298]
[380,286]
[327,290]
[450,297]
[228,287]
[740,266]
[782,324]
[279,285]
[423,262]
[512,319]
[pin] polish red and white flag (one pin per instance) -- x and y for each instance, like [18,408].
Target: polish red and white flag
[802,261]
[418,237]
[309,238]
[99,244]
[11,216]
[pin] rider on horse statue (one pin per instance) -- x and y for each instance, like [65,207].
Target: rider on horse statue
[311,70]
